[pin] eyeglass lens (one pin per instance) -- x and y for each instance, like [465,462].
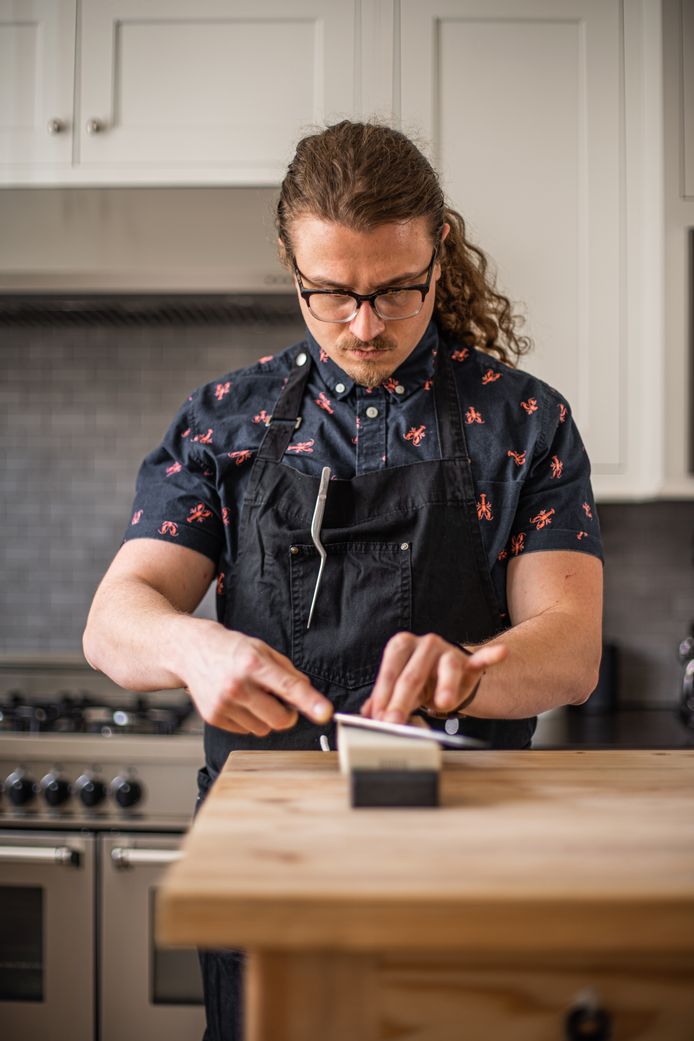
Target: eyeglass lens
[396,303]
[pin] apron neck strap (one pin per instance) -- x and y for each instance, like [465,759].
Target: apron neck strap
[285,414]
[448,413]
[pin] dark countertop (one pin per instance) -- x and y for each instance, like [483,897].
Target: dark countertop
[636,727]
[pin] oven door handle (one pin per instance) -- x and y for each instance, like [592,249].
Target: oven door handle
[127,857]
[43,854]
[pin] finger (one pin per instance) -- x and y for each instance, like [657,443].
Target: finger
[239,720]
[287,683]
[415,682]
[456,678]
[459,674]
[221,717]
[491,655]
[366,708]
[397,653]
[266,708]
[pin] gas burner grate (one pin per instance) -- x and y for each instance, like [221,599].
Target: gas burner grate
[79,714]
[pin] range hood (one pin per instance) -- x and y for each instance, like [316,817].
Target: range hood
[139,240]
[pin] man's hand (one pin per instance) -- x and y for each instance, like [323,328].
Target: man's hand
[425,670]
[142,634]
[240,684]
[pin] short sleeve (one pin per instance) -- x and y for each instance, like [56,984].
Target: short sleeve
[176,498]
[556,507]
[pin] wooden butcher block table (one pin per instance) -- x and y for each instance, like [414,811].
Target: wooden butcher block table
[545,882]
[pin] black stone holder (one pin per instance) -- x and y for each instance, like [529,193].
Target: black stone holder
[394,788]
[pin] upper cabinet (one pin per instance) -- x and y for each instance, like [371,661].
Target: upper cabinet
[37,73]
[521,102]
[168,92]
[545,121]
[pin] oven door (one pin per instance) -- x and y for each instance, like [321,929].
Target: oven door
[146,991]
[46,936]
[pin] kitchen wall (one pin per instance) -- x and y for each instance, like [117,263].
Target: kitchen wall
[139,240]
[82,406]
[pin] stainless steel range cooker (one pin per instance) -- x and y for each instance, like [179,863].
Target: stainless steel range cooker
[97,789]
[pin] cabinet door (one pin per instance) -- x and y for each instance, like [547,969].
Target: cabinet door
[37,69]
[522,100]
[212,91]
[47,891]
[163,985]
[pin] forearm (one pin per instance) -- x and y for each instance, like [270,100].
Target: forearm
[137,637]
[551,661]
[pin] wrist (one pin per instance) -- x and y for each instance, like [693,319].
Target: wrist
[186,636]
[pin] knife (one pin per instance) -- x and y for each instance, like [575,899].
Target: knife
[407,730]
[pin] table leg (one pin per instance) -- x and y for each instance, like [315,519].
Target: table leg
[310,996]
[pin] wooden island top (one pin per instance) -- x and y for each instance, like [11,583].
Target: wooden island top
[528,851]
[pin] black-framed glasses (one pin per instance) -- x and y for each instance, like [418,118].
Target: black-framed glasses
[342,305]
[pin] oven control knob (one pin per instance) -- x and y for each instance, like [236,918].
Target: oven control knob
[56,789]
[20,788]
[126,791]
[90,790]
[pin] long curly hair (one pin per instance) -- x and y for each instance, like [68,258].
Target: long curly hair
[364,175]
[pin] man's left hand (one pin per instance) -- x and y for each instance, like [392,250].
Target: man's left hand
[426,671]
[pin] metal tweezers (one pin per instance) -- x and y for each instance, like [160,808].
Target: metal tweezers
[315,532]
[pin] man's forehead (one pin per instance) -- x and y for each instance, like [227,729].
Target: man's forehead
[334,253]
[310,228]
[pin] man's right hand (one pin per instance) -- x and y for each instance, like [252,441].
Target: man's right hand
[241,684]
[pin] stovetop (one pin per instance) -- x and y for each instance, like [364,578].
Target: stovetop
[78,751]
[81,713]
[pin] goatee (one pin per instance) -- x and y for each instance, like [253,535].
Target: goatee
[368,373]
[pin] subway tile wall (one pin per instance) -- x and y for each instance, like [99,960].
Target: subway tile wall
[82,406]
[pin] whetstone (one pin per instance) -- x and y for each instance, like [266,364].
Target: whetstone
[388,769]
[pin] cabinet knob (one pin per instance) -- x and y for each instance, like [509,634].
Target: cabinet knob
[587,1020]
[55,126]
[94,126]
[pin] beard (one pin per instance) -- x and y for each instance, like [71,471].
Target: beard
[369,372]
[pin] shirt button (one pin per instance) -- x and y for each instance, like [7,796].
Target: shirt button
[399,389]
[301,358]
[339,387]
[372,411]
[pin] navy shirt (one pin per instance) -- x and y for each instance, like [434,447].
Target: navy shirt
[529,465]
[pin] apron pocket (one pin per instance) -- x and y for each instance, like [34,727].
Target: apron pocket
[364,598]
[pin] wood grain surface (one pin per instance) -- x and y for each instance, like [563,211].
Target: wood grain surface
[302,996]
[530,851]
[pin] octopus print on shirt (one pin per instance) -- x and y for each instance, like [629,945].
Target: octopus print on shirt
[529,465]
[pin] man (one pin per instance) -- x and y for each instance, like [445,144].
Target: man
[450,469]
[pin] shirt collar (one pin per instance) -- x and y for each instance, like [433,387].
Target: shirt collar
[416,369]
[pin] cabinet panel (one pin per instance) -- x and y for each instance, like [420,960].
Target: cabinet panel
[229,86]
[688,97]
[522,103]
[37,56]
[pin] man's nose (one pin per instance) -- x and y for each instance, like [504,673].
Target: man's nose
[366,324]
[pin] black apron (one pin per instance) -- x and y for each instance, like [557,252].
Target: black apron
[404,552]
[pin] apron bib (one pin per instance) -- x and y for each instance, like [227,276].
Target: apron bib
[404,552]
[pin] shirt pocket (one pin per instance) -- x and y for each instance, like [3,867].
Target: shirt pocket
[364,598]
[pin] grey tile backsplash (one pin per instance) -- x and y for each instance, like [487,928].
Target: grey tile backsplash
[82,406]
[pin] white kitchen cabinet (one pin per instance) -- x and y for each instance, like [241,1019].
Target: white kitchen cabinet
[544,122]
[678,108]
[37,69]
[171,92]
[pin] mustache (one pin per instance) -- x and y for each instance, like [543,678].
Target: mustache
[379,343]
